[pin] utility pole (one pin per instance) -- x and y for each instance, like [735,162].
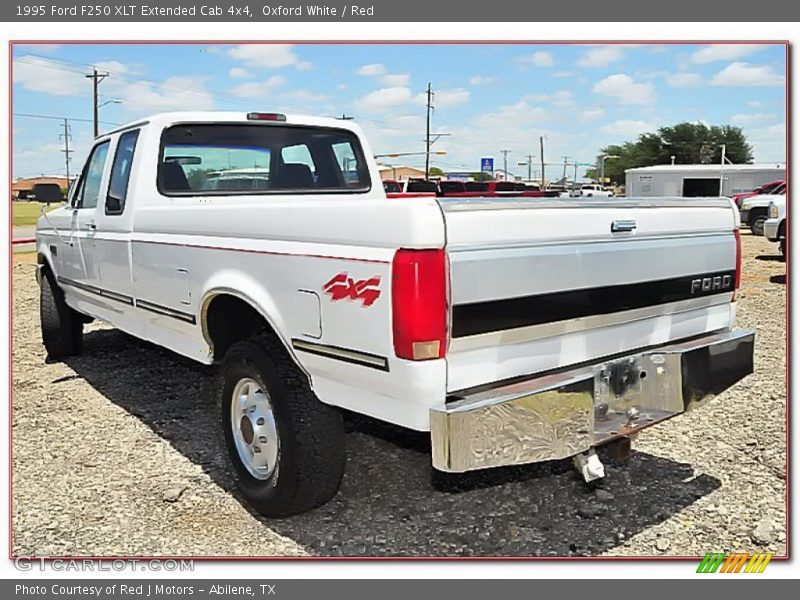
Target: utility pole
[66,136]
[429,105]
[96,78]
[541,154]
[564,174]
[505,164]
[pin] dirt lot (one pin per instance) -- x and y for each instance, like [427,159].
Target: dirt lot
[115,453]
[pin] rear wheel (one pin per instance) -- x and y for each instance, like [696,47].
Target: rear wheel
[782,247]
[286,447]
[62,327]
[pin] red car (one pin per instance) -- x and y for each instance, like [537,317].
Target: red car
[767,188]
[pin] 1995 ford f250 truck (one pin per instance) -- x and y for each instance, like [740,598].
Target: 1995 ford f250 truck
[514,330]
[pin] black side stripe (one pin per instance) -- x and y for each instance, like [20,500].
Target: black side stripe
[143,304]
[512,313]
[91,289]
[166,311]
[348,355]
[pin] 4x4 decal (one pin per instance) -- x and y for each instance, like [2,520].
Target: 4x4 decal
[342,287]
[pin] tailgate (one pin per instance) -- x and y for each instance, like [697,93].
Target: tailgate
[538,285]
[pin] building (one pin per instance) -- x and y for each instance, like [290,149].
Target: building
[23,187]
[401,173]
[700,180]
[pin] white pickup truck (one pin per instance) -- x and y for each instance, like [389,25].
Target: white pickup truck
[513,330]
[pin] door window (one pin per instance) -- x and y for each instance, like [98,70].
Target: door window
[89,188]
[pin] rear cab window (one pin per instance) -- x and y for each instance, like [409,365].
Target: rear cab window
[121,172]
[225,159]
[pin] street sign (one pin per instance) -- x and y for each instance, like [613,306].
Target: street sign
[487,165]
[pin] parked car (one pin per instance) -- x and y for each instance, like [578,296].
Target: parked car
[775,225]
[589,190]
[753,211]
[513,332]
[390,186]
[767,188]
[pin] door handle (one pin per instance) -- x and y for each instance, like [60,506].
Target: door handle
[90,226]
[625,225]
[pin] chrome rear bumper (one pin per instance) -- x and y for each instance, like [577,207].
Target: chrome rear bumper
[560,415]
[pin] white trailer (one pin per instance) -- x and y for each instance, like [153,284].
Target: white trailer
[699,180]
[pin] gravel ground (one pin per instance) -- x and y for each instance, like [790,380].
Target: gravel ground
[115,454]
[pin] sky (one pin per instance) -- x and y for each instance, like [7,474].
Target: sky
[488,98]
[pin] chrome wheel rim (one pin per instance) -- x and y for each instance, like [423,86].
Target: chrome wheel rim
[255,433]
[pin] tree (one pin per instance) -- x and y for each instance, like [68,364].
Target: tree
[481,176]
[435,172]
[689,143]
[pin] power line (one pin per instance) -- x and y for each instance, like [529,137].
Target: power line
[59,118]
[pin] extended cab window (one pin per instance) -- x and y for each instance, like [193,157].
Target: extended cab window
[121,172]
[208,159]
[88,191]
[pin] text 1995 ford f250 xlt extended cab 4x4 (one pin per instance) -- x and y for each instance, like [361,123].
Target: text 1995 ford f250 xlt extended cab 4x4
[514,330]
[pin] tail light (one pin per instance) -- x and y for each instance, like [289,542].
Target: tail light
[259,116]
[738,278]
[419,304]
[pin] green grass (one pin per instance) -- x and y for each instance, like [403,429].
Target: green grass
[27,213]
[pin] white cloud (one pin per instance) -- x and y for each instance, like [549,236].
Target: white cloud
[563,74]
[747,118]
[717,52]
[372,70]
[396,79]
[239,73]
[600,56]
[384,99]
[270,56]
[560,99]
[481,80]
[744,74]
[592,114]
[342,86]
[445,98]
[255,89]
[540,58]
[628,127]
[49,77]
[626,90]
[304,65]
[755,104]
[682,80]
[181,92]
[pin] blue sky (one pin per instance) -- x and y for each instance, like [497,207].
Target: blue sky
[487,97]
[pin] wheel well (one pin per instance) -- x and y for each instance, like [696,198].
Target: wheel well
[755,213]
[229,319]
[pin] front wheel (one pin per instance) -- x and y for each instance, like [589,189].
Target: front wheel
[757,225]
[62,327]
[286,447]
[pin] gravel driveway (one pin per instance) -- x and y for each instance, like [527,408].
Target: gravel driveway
[115,453]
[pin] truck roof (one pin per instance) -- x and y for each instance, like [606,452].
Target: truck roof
[166,119]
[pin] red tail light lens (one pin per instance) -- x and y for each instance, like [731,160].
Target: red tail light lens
[419,304]
[738,278]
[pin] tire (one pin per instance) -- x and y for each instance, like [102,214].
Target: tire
[782,247]
[62,327]
[757,225]
[308,448]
